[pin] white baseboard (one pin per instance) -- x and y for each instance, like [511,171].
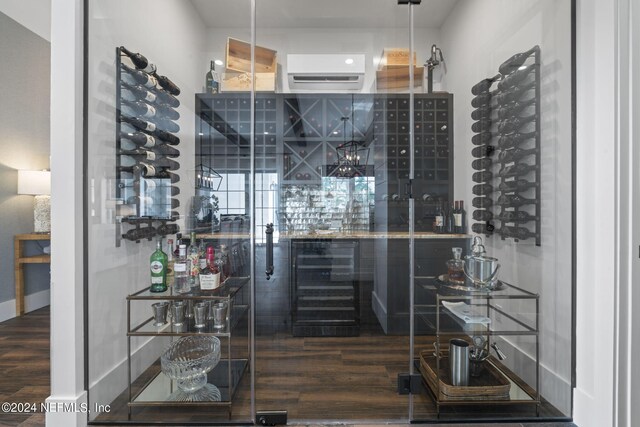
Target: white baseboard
[67,411]
[31,302]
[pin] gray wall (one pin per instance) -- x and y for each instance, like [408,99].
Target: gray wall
[24,143]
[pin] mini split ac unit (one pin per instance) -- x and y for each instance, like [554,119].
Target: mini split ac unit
[326,71]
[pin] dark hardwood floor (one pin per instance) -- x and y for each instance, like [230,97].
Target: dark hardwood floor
[24,365]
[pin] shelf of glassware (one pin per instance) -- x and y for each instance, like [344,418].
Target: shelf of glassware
[226,375]
[492,320]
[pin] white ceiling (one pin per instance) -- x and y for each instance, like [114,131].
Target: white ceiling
[322,13]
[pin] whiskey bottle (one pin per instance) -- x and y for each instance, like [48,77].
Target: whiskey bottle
[210,274]
[158,263]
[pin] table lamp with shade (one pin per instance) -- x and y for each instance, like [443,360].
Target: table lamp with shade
[38,183]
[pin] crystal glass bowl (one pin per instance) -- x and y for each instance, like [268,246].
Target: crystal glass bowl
[187,361]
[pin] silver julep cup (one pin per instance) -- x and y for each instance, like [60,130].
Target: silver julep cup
[177,312]
[459,362]
[200,313]
[220,310]
[160,310]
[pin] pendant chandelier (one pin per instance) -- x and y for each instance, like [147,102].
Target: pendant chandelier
[352,156]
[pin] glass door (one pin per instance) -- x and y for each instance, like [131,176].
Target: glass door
[332,164]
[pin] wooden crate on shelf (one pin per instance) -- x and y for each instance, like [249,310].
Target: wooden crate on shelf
[237,77]
[398,78]
[395,57]
[241,82]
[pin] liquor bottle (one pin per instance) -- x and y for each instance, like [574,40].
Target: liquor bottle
[451,220]
[516,169]
[166,84]
[516,185]
[482,215]
[180,272]
[484,85]
[455,267]
[515,61]
[516,77]
[136,93]
[463,214]
[482,189]
[159,151]
[515,200]
[513,94]
[483,151]
[439,220]
[139,233]
[514,108]
[516,154]
[193,261]
[152,128]
[139,60]
[516,216]
[484,176]
[483,112]
[486,228]
[483,125]
[134,77]
[482,99]
[170,261]
[457,218]
[176,251]
[212,83]
[149,157]
[482,202]
[514,139]
[202,255]
[481,164]
[158,263]
[481,138]
[514,123]
[210,274]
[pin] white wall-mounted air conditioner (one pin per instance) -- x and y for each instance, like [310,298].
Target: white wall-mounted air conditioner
[326,71]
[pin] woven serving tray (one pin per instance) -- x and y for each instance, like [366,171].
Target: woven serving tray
[490,385]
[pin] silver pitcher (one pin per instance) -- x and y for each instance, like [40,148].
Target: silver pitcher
[481,270]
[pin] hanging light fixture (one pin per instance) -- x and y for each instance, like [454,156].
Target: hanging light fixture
[207,178]
[352,155]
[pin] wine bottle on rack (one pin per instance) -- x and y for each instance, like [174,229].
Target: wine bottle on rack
[167,84]
[160,150]
[139,60]
[483,125]
[482,215]
[516,169]
[482,202]
[149,171]
[139,233]
[136,93]
[152,128]
[516,77]
[481,138]
[147,200]
[137,108]
[513,94]
[515,200]
[482,99]
[483,228]
[516,154]
[514,123]
[481,164]
[166,125]
[484,176]
[439,219]
[483,151]
[482,189]
[166,229]
[139,139]
[483,112]
[515,61]
[149,158]
[514,108]
[514,139]
[167,99]
[134,77]
[484,85]
[516,216]
[149,185]
[516,185]
[520,233]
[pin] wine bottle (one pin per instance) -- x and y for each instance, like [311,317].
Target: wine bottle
[484,176]
[514,139]
[137,108]
[513,94]
[481,164]
[140,139]
[483,228]
[463,216]
[515,200]
[149,185]
[439,219]
[520,233]
[481,138]
[149,158]
[212,80]
[140,200]
[139,60]
[159,150]
[139,233]
[451,219]
[165,174]
[482,189]
[167,84]
[516,154]
[167,112]
[166,229]
[516,169]
[167,99]
[145,170]
[516,216]
[514,108]
[484,85]
[482,202]
[483,125]
[166,125]
[136,93]
[515,123]
[516,77]
[482,215]
[515,61]
[483,151]
[483,112]
[134,77]
[152,128]
[482,99]
[516,185]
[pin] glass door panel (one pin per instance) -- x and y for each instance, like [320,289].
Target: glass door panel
[332,322]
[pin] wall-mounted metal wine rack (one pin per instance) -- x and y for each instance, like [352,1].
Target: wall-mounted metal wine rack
[144,203]
[507,150]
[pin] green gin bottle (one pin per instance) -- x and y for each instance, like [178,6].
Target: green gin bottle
[158,263]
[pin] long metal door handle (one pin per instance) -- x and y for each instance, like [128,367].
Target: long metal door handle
[269,233]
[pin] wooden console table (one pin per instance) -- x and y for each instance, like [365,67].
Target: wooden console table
[19,261]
